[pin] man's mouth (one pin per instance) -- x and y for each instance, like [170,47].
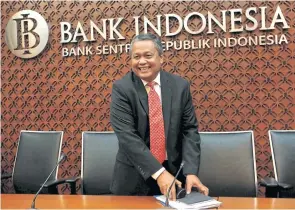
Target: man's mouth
[144,69]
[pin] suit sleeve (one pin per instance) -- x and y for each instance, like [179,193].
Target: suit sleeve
[191,138]
[130,142]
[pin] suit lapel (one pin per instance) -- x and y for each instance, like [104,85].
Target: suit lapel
[142,94]
[166,100]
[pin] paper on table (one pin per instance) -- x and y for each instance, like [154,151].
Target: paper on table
[200,205]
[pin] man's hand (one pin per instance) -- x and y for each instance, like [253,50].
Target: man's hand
[194,181]
[164,181]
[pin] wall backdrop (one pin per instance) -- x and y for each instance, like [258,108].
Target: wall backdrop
[233,88]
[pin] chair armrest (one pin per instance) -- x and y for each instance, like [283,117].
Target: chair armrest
[61,181]
[52,183]
[286,190]
[72,181]
[6,176]
[271,187]
[268,182]
[285,186]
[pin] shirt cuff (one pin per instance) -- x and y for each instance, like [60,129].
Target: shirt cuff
[158,173]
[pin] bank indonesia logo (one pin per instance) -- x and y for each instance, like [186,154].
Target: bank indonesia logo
[27,34]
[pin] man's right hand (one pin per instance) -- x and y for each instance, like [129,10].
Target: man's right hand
[164,181]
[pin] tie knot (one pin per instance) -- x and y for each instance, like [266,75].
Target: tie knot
[151,84]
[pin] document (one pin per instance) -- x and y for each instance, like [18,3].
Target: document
[194,200]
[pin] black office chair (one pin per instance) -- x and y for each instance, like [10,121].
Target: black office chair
[99,151]
[228,166]
[282,143]
[37,154]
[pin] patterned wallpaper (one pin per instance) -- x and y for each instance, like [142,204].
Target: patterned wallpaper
[233,88]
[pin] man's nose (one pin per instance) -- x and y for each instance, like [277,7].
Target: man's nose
[142,61]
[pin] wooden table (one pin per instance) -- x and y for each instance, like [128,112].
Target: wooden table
[23,201]
[256,203]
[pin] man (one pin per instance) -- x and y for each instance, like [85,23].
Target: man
[153,117]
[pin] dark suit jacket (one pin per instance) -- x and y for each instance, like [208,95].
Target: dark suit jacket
[130,121]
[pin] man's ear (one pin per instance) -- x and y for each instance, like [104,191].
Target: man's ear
[161,59]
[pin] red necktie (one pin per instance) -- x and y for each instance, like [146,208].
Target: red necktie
[157,133]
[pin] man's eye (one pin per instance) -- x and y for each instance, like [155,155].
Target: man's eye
[135,57]
[149,56]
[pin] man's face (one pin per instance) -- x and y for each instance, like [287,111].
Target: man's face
[145,60]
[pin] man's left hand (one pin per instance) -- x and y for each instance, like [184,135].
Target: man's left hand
[194,181]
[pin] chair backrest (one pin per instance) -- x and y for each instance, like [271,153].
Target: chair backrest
[282,143]
[228,166]
[36,156]
[99,150]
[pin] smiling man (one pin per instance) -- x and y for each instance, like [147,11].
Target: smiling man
[154,119]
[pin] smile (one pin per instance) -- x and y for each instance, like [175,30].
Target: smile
[144,69]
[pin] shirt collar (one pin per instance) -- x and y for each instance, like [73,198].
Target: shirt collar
[156,80]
